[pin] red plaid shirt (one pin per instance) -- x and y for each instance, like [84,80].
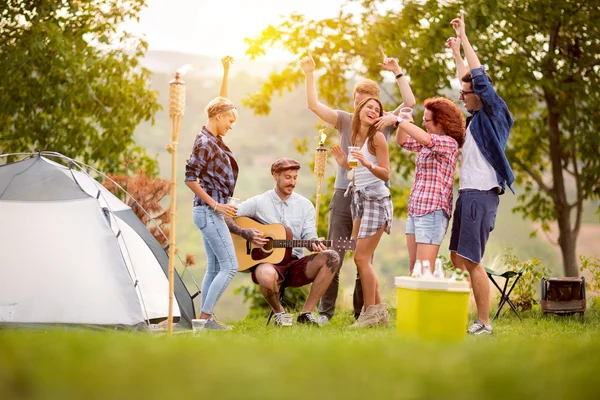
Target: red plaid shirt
[434,179]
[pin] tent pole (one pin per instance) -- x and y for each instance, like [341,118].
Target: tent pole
[176,111]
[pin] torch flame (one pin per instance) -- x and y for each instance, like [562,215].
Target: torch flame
[323,136]
[184,69]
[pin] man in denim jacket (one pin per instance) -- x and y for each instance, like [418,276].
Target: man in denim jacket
[484,174]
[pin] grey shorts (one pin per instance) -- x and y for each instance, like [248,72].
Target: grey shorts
[429,228]
[474,219]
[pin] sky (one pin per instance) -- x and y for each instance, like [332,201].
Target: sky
[218,27]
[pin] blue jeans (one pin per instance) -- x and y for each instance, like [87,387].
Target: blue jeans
[221,262]
[429,228]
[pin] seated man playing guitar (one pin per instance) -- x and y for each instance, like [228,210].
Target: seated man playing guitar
[282,206]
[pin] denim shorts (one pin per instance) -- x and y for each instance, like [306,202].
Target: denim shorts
[429,228]
[474,219]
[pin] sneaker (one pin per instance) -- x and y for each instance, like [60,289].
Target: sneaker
[384,315]
[283,319]
[367,318]
[478,328]
[307,318]
[213,325]
[323,320]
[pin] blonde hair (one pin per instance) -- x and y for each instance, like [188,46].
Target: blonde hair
[220,105]
[367,87]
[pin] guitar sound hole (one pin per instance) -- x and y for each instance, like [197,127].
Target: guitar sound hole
[269,245]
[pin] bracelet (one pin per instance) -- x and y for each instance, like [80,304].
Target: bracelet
[400,75]
[372,167]
[215,207]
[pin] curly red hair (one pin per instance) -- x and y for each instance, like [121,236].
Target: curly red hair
[447,114]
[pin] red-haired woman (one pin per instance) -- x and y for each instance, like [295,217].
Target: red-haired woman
[430,202]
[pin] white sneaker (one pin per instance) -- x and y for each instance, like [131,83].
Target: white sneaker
[323,320]
[283,319]
[478,328]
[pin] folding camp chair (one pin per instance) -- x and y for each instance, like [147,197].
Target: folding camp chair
[508,275]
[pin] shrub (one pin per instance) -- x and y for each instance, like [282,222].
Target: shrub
[293,299]
[524,294]
[592,266]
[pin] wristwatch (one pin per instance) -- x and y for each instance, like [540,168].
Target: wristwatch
[399,120]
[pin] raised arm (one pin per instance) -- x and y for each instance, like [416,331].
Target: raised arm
[406,141]
[461,68]
[327,114]
[459,26]
[391,64]
[408,98]
[415,132]
[226,61]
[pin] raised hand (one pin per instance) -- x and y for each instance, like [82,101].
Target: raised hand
[459,26]
[308,63]
[340,156]
[389,63]
[454,44]
[227,61]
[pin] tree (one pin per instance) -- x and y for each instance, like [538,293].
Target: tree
[71,81]
[542,54]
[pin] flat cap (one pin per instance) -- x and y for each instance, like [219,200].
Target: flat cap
[284,164]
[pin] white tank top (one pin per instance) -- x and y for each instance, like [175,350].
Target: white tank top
[363,176]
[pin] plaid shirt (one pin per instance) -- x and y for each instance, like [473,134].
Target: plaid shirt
[434,179]
[212,165]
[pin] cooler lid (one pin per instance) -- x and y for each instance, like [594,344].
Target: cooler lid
[408,282]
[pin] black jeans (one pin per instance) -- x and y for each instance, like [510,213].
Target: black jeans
[340,227]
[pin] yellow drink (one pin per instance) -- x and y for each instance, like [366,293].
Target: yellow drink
[353,164]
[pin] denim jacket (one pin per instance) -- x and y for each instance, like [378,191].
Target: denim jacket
[490,127]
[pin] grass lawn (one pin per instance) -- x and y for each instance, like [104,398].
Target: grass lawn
[540,358]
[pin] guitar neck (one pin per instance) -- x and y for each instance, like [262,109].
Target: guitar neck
[299,243]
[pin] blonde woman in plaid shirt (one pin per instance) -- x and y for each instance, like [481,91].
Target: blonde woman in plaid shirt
[211,173]
[430,202]
[371,203]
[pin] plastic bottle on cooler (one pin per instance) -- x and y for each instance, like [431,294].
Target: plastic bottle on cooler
[438,272]
[427,270]
[417,270]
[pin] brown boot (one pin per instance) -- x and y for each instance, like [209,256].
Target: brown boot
[367,318]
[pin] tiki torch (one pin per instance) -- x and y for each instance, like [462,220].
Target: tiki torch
[320,164]
[176,110]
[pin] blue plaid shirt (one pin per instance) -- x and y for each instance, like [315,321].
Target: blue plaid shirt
[213,166]
[490,127]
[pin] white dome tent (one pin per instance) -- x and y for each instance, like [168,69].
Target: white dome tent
[73,253]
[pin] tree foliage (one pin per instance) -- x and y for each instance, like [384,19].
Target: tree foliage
[71,81]
[146,194]
[543,56]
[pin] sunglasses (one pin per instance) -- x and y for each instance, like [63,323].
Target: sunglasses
[464,92]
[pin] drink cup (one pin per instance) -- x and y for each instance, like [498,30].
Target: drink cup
[352,161]
[406,112]
[198,325]
[233,201]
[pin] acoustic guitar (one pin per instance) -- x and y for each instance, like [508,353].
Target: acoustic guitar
[279,246]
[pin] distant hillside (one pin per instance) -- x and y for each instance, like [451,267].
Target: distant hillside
[160,61]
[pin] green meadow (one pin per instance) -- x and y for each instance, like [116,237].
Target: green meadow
[543,357]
